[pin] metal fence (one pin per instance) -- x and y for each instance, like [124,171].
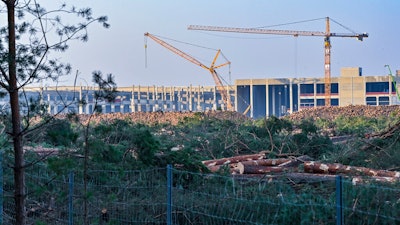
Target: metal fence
[172,196]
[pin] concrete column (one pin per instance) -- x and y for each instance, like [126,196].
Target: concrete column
[291,96]
[190,98]
[199,107]
[390,91]
[139,99]
[179,99]
[215,102]
[251,99]
[172,99]
[236,98]
[112,107]
[267,99]
[87,103]
[155,98]
[315,93]
[148,100]
[273,100]
[298,99]
[133,99]
[50,104]
[80,109]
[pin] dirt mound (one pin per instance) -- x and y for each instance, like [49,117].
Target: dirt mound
[332,112]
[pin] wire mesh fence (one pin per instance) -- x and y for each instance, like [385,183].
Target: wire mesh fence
[172,196]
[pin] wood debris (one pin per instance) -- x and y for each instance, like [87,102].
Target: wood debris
[300,168]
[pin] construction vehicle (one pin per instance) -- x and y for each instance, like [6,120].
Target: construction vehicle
[224,92]
[394,82]
[327,43]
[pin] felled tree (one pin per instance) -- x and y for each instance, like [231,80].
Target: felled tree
[30,35]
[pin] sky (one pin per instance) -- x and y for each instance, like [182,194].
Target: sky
[120,49]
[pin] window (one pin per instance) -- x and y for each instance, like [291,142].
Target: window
[383,100]
[320,88]
[334,89]
[334,102]
[371,100]
[306,102]
[306,89]
[377,87]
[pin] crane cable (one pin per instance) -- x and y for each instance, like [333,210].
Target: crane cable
[284,24]
[187,43]
[352,31]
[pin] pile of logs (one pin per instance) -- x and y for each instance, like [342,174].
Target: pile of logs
[303,168]
[332,112]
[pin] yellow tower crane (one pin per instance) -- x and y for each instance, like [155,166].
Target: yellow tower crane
[219,86]
[327,43]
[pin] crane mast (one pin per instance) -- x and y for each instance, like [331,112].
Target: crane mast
[219,85]
[327,43]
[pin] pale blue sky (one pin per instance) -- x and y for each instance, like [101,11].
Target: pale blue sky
[120,49]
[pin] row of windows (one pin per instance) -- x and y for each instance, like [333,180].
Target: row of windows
[382,100]
[319,102]
[320,88]
[371,87]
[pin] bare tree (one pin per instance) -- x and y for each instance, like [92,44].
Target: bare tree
[30,35]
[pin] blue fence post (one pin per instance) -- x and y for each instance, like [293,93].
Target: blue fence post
[1,187]
[339,201]
[70,199]
[169,194]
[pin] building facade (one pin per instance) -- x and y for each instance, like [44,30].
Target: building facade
[81,99]
[278,97]
[256,98]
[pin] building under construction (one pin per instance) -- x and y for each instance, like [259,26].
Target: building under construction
[256,98]
[266,97]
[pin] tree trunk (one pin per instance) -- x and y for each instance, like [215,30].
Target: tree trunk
[19,173]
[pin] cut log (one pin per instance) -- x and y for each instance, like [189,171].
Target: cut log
[308,177]
[234,159]
[296,161]
[336,168]
[266,162]
[298,178]
[357,180]
[293,177]
[263,169]
[234,168]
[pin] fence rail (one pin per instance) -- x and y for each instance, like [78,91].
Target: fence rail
[172,196]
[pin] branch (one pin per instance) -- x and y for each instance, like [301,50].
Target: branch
[4,74]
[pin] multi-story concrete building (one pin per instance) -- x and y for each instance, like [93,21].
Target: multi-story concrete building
[256,98]
[267,97]
[82,100]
